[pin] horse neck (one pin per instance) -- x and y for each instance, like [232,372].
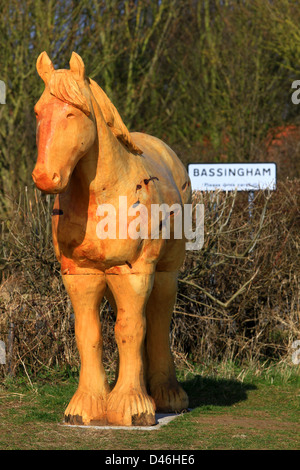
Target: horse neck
[106,164]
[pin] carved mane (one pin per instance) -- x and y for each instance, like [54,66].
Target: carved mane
[63,86]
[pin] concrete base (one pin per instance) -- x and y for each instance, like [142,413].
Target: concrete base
[161,420]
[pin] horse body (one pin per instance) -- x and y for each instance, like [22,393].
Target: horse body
[78,205]
[88,157]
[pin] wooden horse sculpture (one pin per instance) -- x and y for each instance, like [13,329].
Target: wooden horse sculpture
[87,157]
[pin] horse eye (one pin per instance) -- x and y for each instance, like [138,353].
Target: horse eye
[70,115]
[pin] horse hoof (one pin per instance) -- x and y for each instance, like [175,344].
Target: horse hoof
[86,409]
[131,409]
[169,398]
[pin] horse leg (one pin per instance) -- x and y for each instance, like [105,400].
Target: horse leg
[88,405]
[161,378]
[129,404]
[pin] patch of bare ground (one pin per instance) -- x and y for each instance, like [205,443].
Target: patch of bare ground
[257,421]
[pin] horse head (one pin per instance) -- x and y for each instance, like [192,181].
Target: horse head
[66,129]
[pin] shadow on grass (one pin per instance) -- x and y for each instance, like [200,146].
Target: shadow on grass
[204,391]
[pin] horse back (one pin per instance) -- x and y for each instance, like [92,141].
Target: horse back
[162,163]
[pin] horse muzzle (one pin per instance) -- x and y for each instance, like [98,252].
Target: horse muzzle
[48,183]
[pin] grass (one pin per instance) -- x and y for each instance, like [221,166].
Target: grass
[232,408]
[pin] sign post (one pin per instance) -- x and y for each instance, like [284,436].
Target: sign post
[233,176]
[248,177]
[2,92]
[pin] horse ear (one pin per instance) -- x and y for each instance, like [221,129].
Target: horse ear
[77,66]
[44,66]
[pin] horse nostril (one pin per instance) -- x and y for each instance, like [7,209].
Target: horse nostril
[33,177]
[55,178]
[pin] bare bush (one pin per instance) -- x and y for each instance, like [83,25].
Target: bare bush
[239,296]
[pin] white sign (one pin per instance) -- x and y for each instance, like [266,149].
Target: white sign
[231,176]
